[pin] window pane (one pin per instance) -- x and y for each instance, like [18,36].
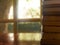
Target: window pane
[10,15]
[29,26]
[10,31]
[29,33]
[29,36]
[28,9]
[6,27]
[10,27]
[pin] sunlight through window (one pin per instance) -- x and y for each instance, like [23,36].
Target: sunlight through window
[26,9]
[11,13]
[30,36]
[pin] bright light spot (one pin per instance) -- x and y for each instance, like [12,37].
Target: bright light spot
[26,36]
[11,36]
[30,36]
[11,13]
[28,9]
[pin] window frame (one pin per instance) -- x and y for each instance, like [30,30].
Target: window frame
[15,20]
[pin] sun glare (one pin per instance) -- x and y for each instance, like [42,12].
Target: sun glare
[26,9]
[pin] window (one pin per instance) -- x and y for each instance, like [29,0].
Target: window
[23,23]
[28,9]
